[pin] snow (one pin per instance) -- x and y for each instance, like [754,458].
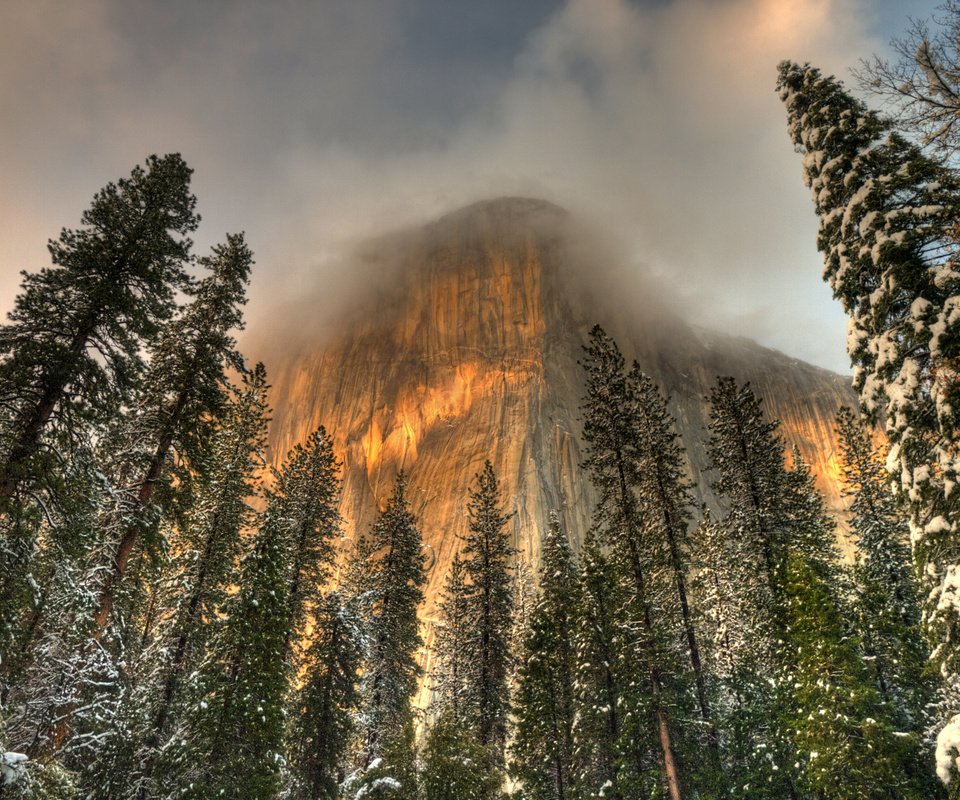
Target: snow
[379,783]
[937,525]
[948,746]
[12,768]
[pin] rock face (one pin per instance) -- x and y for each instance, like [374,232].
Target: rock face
[467,349]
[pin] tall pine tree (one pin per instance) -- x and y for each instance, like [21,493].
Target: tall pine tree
[185,390]
[487,554]
[322,723]
[233,742]
[390,669]
[206,549]
[543,748]
[888,235]
[601,772]
[72,348]
[617,470]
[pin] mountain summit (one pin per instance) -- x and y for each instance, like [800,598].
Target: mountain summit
[467,348]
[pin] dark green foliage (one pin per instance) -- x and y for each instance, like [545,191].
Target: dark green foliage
[886,603]
[748,563]
[390,669]
[195,584]
[322,723]
[184,392]
[303,506]
[451,677]
[70,358]
[841,731]
[72,349]
[598,725]
[543,747]
[233,742]
[888,233]
[455,765]
[796,685]
[615,429]
[487,553]
[239,719]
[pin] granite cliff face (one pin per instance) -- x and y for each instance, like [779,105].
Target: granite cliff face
[467,349]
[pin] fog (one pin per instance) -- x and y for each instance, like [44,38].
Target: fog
[316,125]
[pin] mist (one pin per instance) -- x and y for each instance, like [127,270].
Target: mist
[316,126]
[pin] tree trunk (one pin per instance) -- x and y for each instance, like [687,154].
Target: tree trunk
[693,647]
[132,533]
[171,683]
[28,442]
[670,772]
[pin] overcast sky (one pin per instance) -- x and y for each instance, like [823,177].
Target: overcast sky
[313,123]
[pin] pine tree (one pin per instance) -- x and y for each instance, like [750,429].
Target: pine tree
[185,389]
[206,548]
[390,670]
[667,504]
[747,460]
[232,744]
[243,690]
[803,694]
[886,602]
[845,744]
[598,725]
[614,445]
[70,356]
[72,346]
[322,725]
[304,505]
[487,553]
[888,234]
[543,749]
[455,767]
[451,677]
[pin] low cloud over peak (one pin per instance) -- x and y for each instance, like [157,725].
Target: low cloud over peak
[315,125]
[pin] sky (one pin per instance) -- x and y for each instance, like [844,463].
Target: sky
[314,124]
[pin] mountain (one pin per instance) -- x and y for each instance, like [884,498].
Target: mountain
[465,347]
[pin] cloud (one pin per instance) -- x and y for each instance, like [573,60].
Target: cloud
[660,124]
[313,125]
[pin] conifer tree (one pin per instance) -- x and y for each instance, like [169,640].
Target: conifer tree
[487,553]
[888,235]
[598,724]
[184,392]
[667,504]
[841,731]
[185,389]
[233,744]
[803,696]
[451,676]
[71,351]
[322,725]
[304,504]
[207,548]
[543,748]
[242,691]
[613,438]
[725,618]
[455,767]
[70,356]
[747,460]
[886,602]
[390,669]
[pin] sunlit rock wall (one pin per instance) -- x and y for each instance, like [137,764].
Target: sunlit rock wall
[466,349]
